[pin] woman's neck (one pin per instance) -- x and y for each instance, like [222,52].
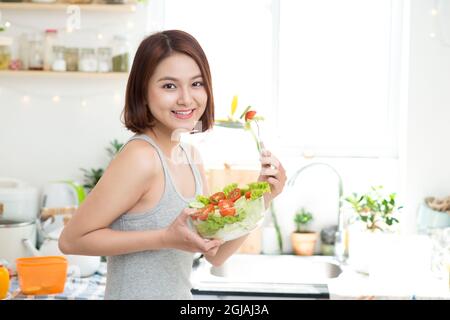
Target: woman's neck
[167,141]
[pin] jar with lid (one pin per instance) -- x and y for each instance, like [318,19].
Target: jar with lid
[88,60]
[49,41]
[5,52]
[121,54]
[59,63]
[36,53]
[71,57]
[104,59]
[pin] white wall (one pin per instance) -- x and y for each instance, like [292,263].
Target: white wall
[425,158]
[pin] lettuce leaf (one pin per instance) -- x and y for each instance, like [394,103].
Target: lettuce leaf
[202,199]
[258,189]
[249,212]
[214,223]
[229,188]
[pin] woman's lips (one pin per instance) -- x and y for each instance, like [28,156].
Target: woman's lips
[183,114]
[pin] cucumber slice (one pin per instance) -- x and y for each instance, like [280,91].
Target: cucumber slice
[196,204]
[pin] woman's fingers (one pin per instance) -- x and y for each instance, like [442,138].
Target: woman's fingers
[269,172]
[269,161]
[186,213]
[272,171]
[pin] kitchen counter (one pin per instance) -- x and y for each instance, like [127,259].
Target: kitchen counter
[349,284]
[354,285]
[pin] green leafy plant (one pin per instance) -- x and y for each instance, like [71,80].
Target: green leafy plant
[301,219]
[374,209]
[93,175]
[114,148]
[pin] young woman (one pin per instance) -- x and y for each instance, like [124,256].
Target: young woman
[136,215]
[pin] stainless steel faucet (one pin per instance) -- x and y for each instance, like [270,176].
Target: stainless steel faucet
[339,245]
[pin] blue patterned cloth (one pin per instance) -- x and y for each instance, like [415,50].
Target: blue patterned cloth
[76,288]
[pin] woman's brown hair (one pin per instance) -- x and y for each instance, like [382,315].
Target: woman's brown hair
[152,50]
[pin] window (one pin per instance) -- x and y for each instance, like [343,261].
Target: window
[336,63]
[323,72]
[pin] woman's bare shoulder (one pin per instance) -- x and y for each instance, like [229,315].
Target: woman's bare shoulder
[138,155]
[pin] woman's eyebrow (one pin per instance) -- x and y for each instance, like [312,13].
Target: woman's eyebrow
[175,79]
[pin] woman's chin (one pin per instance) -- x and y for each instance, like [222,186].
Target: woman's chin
[183,127]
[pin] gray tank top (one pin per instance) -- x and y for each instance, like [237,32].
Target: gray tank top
[153,274]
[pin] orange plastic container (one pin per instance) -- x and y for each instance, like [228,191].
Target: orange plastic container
[42,275]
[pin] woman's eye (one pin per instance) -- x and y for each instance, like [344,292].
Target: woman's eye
[169,86]
[197,84]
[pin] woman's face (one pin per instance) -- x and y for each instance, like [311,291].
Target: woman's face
[176,95]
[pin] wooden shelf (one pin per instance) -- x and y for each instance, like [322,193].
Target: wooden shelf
[53,74]
[101,7]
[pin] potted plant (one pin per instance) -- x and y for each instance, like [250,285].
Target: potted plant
[373,214]
[303,240]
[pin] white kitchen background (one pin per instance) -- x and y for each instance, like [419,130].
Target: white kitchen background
[364,85]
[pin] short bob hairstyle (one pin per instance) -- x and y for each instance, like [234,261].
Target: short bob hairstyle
[152,50]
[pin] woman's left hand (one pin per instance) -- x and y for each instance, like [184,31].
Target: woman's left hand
[273,172]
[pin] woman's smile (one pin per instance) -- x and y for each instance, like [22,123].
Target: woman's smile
[183,114]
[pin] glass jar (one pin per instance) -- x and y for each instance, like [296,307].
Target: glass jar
[71,57]
[36,53]
[121,54]
[115,1]
[104,59]
[88,60]
[23,49]
[59,63]
[49,41]
[5,52]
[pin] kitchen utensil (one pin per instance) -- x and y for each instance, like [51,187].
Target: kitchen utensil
[258,138]
[42,275]
[19,201]
[11,235]
[60,195]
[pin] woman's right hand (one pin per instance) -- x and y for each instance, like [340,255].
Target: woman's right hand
[179,235]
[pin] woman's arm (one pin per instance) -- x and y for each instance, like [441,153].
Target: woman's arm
[124,182]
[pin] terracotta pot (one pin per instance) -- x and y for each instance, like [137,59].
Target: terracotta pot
[304,243]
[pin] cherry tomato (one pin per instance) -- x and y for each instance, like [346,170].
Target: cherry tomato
[199,215]
[250,115]
[202,213]
[216,197]
[227,211]
[248,195]
[235,194]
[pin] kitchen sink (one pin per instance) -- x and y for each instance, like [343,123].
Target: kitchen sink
[269,276]
[279,269]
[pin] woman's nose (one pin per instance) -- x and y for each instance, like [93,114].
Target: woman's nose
[185,98]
